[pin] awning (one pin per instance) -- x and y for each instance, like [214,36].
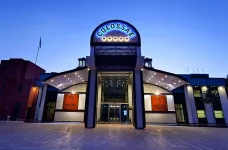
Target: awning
[68,78]
[166,80]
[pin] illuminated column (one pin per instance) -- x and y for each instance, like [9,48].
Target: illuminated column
[130,101]
[190,104]
[224,102]
[208,109]
[38,104]
[99,101]
[43,98]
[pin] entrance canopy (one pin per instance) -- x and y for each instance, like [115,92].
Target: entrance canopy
[163,79]
[66,79]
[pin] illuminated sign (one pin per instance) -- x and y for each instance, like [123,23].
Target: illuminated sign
[116,27]
[159,103]
[70,102]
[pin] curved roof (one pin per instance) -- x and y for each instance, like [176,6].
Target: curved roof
[68,78]
[166,80]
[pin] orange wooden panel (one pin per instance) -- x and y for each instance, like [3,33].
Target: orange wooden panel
[70,102]
[159,103]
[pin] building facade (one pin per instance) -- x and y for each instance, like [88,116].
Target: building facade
[18,91]
[116,84]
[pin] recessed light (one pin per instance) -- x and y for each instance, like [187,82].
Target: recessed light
[82,80]
[152,76]
[149,78]
[68,78]
[156,83]
[75,73]
[174,83]
[155,73]
[159,81]
[179,80]
[52,80]
[162,79]
[71,81]
[166,76]
[64,76]
[78,75]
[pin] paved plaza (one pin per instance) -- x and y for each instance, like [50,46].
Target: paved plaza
[71,136]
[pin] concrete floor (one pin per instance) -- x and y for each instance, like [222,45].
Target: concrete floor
[70,136]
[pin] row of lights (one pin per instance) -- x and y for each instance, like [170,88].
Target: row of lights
[115,39]
[161,79]
[69,79]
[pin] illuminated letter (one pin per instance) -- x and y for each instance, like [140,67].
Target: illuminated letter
[127,30]
[131,34]
[112,26]
[107,28]
[123,27]
[99,34]
[117,26]
[103,30]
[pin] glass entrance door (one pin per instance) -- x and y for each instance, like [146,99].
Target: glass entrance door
[114,113]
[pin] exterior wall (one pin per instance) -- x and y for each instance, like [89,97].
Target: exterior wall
[69,116]
[149,88]
[76,88]
[160,117]
[17,77]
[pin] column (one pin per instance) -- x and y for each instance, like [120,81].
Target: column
[38,104]
[43,98]
[130,101]
[99,101]
[190,104]
[224,102]
[139,110]
[209,110]
[91,93]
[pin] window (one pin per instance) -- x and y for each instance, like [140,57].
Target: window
[197,93]
[201,114]
[218,114]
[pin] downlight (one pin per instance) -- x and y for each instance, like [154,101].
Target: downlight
[115,39]
[110,39]
[120,39]
[126,39]
[104,39]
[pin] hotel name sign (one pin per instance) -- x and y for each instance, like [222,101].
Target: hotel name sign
[115,31]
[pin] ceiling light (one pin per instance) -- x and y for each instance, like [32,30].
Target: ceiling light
[152,76]
[82,80]
[52,80]
[74,82]
[174,83]
[68,78]
[162,79]
[149,78]
[167,87]
[71,81]
[179,80]
[75,73]
[142,69]
[78,75]
[155,73]
[126,39]
[120,39]
[147,81]
[110,39]
[115,39]
[166,76]
[104,39]
[64,76]
[156,83]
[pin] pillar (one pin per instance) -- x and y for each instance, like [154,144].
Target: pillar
[42,103]
[99,101]
[138,98]
[91,94]
[190,104]
[130,101]
[209,110]
[38,104]
[224,102]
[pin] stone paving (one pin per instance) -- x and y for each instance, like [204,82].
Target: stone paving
[71,136]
